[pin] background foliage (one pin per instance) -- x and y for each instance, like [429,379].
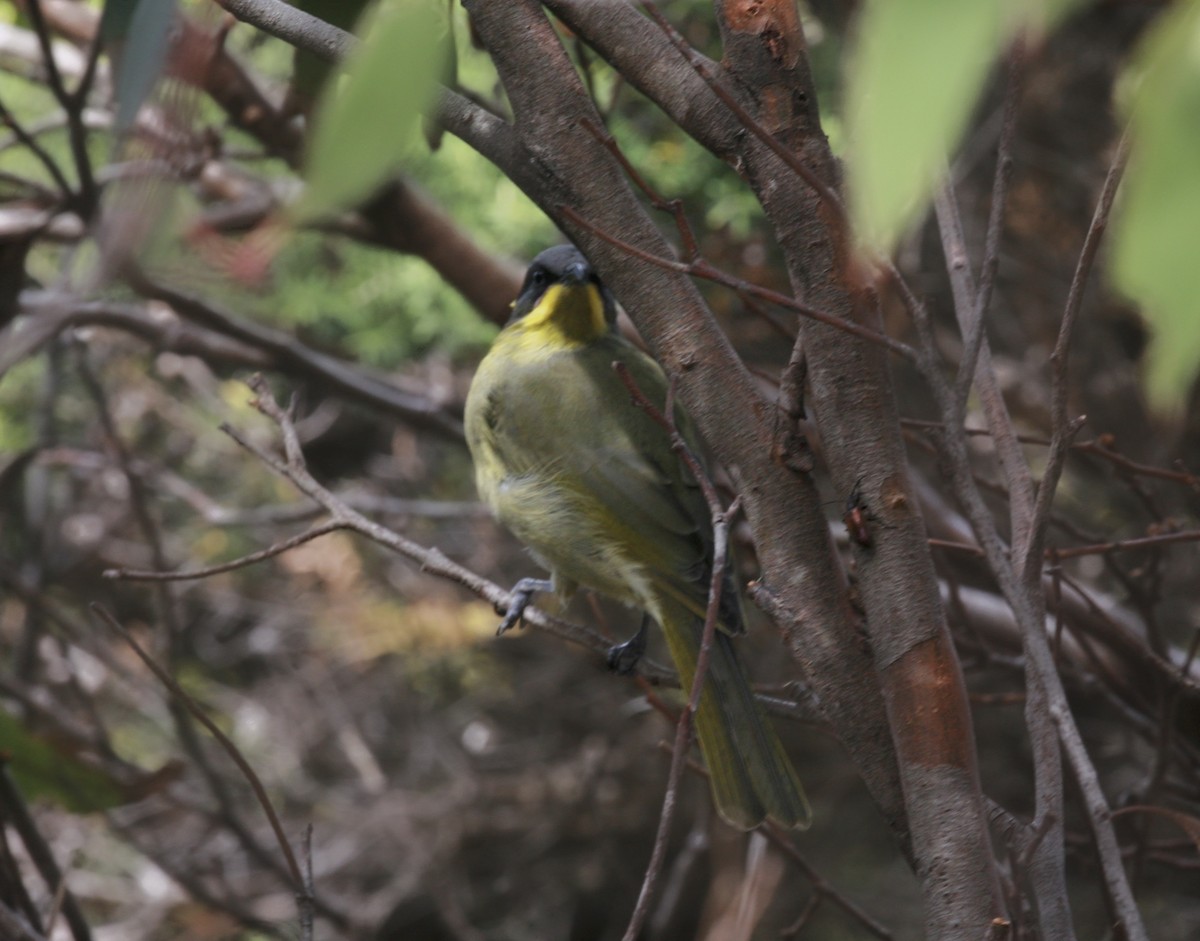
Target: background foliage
[464,787]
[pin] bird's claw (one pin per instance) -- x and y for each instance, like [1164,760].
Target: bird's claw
[623,658]
[519,599]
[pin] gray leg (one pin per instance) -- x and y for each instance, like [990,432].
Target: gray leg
[623,658]
[519,599]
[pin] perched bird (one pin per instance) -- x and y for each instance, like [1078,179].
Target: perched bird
[590,484]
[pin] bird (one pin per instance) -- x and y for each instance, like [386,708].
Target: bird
[591,485]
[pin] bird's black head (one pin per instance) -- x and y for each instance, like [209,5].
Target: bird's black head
[562,265]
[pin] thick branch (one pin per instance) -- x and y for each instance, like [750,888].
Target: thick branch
[206,331]
[293,26]
[852,401]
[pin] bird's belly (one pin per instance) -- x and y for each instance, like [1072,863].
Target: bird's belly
[567,535]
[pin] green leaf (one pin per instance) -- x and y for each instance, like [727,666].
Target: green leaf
[917,71]
[136,34]
[1158,227]
[43,770]
[366,121]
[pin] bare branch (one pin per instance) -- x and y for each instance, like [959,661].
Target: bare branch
[974,330]
[14,810]
[704,69]
[699,268]
[72,105]
[1042,675]
[1008,451]
[15,927]
[248,772]
[720,523]
[1123,545]
[293,26]
[433,561]
[822,887]
[31,143]
[1062,430]
[270,552]
[293,355]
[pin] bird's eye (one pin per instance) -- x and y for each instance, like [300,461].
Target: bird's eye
[538,278]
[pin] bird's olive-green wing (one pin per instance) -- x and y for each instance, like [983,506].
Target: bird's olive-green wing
[631,471]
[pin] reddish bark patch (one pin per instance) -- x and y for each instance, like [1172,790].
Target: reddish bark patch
[776,23]
[928,712]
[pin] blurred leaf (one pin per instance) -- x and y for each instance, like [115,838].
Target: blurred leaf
[1158,227]
[310,71]
[135,32]
[365,122]
[917,72]
[43,770]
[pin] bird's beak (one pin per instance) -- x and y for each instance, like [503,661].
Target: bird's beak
[579,272]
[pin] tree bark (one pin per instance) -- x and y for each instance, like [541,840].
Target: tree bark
[562,165]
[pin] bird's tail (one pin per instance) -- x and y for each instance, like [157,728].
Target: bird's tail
[751,776]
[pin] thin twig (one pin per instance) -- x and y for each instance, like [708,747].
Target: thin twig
[14,811]
[822,886]
[965,547]
[1124,545]
[1061,428]
[56,903]
[304,897]
[974,330]
[37,150]
[810,908]
[1102,447]
[214,730]
[720,524]
[702,269]
[1008,450]
[839,224]
[203,891]
[141,575]
[1028,607]
[433,561]
[291,354]
[691,248]
[72,104]
[53,76]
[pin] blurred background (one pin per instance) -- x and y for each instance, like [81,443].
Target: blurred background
[458,785]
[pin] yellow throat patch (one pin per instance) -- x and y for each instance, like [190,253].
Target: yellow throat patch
[567,315]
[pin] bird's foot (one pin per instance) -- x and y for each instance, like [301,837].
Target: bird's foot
[623,658]
[519,599]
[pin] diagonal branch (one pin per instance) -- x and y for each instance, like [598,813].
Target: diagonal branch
[974,330]
[293,26]
[177,692]
[1008,450]
[1044,684]
[1063,430]
[291,354]
[292,467]
[720,522]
